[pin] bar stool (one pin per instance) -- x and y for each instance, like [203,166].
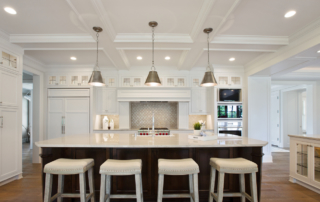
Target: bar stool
[120,167]
[63,167]
[233,166]
[179,167]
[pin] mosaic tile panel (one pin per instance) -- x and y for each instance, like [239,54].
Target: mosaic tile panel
[115,120]
[195,118]
[166,114]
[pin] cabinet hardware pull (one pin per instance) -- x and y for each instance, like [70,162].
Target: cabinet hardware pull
[0,102]
[63,127]
[1,121]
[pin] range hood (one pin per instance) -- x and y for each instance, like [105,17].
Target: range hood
[154,95]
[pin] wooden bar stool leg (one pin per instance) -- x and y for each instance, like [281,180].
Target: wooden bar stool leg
[108,188]
[220,186]
[191,187]
[242,188]
[103,188]
[160,187]
[253,186]
[195,187]
[138,187]
[60,187]
[82,180]
[48,188]
[141,187]
[212,183]
[91,183]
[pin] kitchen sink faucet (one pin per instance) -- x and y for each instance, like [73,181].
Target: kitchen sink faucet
[153,121]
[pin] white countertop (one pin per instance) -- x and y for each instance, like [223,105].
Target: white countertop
[113,140]
[304,136]
[117,129]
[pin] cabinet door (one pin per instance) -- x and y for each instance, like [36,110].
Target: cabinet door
[9,143]
[199,101]
[8,89]
[109,98]
[315,164]
[55,117]
[302,160]
[77,116]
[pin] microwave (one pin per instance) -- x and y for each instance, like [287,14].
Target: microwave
[229,111]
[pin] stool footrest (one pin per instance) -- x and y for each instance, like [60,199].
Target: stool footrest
[122,196]
[66,195]
[215,196]
[176,196]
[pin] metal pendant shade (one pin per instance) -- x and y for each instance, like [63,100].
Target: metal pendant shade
[96,77]
[208,78]
[153,78]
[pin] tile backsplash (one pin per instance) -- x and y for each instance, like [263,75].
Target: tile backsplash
[165,114]
[195,118]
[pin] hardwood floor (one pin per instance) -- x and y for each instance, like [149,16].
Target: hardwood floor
[275,184]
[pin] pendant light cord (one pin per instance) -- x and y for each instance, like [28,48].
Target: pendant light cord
[97,61]
[153,68]
[208,67]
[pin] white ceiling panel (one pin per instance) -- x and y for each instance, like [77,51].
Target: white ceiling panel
[176,16]
[58,57]
[39,17]
[266,17]
[159,57]
[222,58]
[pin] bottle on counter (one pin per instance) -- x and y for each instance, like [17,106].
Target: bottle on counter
[105,123]
[112,124]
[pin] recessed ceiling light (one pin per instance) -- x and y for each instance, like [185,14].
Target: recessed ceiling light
[167,58]
[10,10]
[290,14]
[139,58]
[318,51]
[232,59]
[73,58]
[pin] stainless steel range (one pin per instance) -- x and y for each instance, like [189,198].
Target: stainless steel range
[156,131]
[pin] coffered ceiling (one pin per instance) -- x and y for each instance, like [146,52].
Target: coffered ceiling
[53,31]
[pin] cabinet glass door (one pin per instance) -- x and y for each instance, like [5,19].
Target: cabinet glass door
[302,159]
[317,164]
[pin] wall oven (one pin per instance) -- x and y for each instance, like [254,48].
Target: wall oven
[234,128]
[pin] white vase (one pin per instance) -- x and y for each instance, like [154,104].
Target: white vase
[196,132]
[105,125]
[203,127]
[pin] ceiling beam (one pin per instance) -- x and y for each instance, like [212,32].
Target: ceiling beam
[51,38]
[240,50]
[256,40]
[147,37]
[124,57]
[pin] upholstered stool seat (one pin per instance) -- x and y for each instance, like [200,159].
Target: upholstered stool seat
[233,166]
[179,167]
[120,167]
[63,167]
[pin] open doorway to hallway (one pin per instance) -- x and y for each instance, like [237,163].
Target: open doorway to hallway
[27,94]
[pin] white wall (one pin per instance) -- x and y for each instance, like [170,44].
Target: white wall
[259,100]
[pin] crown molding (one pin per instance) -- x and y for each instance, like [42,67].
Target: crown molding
[124,58]
[103,16]
[147,37]
[306,30]
[240,50]
[4,35]
[202,17]
[149,48]
[182,58]
[51,38]
[62,49]
[251,39]
[33,63]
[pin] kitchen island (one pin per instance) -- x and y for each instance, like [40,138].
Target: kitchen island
[103,146]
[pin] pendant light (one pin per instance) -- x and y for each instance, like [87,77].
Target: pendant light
[153,78]
[96,77]
[208,79]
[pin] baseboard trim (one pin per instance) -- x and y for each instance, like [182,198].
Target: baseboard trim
[16,177]
[312,188]
[267,159]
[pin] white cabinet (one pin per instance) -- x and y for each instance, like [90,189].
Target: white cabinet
[8,89]
[175,82]
[305,161]
[110,81]
[9,143]
[79,80]
[128,81]
[57,80]
[8,61]
[106,101]
[68,116]
[227,80]
[199,101]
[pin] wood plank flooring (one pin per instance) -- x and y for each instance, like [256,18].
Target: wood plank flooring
[275,184]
